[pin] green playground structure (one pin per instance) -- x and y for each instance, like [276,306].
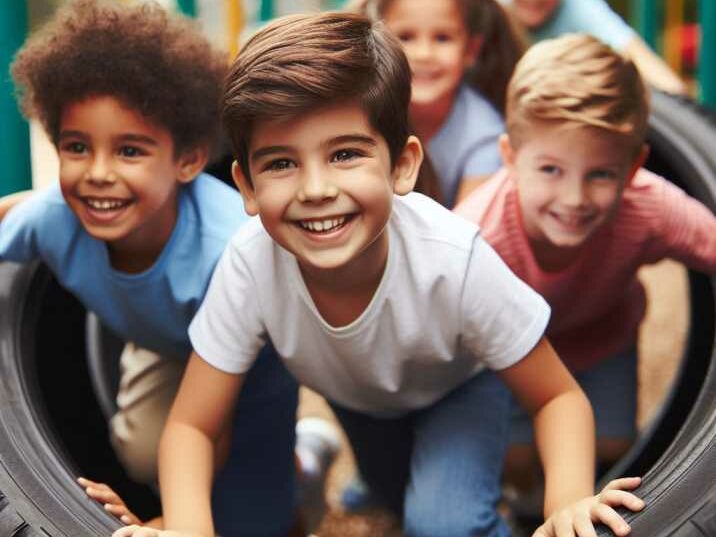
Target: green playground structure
[671,27]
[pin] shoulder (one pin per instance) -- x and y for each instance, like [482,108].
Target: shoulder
[487,202]
[216,208]
[645,201]
[45,209]
[423,219]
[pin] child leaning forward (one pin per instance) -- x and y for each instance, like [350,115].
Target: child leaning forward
[392,307]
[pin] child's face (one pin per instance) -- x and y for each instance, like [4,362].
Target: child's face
[533,13]
[323,185]
[569,180]
[118,173]
[437,44]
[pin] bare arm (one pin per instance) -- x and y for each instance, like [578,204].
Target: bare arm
[563,424]
[9,201]
[655,71]
[200,413]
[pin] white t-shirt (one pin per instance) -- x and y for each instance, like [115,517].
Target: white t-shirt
[446,307]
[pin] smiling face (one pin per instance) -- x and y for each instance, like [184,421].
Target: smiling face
[119,175]
[437,44]
[534,13]
[323,186]
[570,181]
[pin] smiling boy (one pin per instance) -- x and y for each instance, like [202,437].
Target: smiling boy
[129,96]
[575,216]
[378,298]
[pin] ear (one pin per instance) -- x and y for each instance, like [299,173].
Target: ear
[406,168]
[507,152]
[474,46]
[638,162]
[191,162]
[246,188]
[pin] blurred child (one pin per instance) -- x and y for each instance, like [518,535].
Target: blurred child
[338,272]
[461,55]
[130,98]
[546,19]
[575,216]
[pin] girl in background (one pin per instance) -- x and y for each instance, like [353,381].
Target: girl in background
[461,54]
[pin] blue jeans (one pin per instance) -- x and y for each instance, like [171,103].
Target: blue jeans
[438,467]
[254,492]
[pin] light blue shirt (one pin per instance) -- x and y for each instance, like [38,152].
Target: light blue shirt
[153,308]
[467,144]
[593,17]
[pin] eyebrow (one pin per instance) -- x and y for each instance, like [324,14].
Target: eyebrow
[342,139]
[128,137]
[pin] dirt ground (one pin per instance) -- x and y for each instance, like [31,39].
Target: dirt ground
[661,340]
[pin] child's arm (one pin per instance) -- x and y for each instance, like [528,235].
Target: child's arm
[9,201]
[198,416]
[565,438]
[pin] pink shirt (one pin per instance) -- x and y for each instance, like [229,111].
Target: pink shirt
[598,302]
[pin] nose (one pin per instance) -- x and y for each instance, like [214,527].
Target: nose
[100,170]
[420,49]
[316,187]
[573,192]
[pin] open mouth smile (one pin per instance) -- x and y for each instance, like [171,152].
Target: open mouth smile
[105,204]
[325,225]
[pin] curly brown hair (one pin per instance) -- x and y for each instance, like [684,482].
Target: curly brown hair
[156,63]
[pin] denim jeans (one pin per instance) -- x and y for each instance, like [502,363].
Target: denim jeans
[438,467]
[254,493]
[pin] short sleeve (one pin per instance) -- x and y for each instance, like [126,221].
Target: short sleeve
[503,318]
[227,331]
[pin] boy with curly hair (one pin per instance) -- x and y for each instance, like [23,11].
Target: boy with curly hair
[575,216]
[380,299]
[129,95]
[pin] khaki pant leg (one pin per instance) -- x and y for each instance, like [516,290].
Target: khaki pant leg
[147,386]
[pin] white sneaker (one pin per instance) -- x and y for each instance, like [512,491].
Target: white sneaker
[317,444]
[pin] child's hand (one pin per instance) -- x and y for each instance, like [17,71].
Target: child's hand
[579,517]
[144,531]
[110,499]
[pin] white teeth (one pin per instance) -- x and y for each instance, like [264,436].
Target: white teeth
[104,204]
[323,225]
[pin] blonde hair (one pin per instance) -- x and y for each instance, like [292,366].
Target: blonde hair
[576,79]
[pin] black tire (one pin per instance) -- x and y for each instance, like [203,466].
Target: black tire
[677,455]
[51,428]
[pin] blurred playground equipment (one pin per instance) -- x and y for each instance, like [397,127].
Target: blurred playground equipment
[682,31]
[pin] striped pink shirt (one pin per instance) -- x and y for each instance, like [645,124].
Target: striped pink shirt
[598,302]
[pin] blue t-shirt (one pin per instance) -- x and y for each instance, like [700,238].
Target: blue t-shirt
[467,143]
[153,308]
[593,17]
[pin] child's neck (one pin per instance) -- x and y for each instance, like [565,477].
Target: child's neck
[428,119]
[552,258]
[138,251]
[341,295]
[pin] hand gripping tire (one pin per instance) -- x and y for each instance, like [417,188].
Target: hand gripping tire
[52,430]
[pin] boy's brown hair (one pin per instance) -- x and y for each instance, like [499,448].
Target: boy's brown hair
[300,63]
[502,45]
[157,64]
[577,80]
